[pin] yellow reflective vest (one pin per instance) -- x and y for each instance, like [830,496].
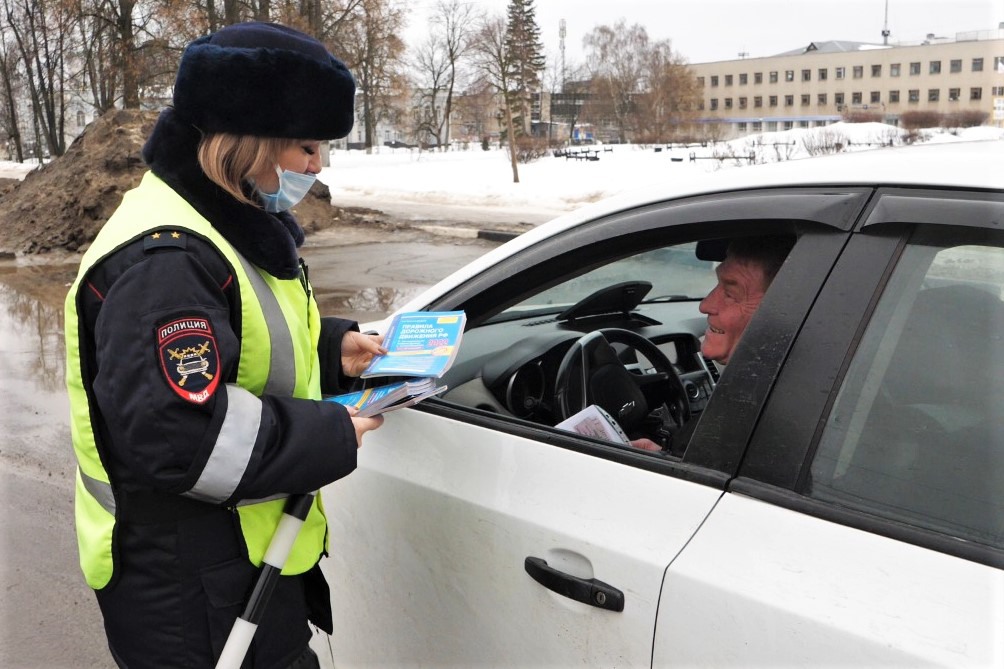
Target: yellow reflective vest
[278,356]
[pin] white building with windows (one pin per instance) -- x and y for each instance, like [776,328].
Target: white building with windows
[821,83]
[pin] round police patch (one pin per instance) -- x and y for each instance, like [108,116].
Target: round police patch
[189,358]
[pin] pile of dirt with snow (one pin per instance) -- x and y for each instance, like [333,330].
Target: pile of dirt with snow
[62,205]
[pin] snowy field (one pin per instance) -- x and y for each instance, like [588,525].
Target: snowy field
[484,178]
[557,185]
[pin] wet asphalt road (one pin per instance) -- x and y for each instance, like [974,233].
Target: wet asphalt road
[48,616]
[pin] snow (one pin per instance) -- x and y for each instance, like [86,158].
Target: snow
[556,185]
[484,178]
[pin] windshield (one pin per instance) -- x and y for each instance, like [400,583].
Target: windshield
[674,272]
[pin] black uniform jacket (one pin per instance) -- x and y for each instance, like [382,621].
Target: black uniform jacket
[182,573]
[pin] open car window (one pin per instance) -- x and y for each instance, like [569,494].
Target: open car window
[623,335]
[675,273]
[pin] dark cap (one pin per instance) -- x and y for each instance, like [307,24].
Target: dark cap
[266,80]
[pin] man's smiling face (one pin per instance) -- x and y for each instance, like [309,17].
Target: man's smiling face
[730,306]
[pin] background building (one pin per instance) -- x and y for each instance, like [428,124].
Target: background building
[826,81]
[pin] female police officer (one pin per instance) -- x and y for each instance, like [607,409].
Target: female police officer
[197,358]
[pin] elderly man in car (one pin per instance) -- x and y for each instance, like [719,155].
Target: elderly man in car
[749,266]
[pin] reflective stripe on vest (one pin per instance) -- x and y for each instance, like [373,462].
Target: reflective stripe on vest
[272,360]
[281,370]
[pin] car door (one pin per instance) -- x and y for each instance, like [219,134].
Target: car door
[436,534]
[447,513]
[866,526]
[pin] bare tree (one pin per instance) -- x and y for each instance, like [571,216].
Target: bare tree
[436,62]
[40,30]
[432,71]
[118,56]
[669,95]
[495,62]
[324,19]
[98,42]
[455,21]
[9,122]
[374,53]
[472,111]
[122,55]
[616,60]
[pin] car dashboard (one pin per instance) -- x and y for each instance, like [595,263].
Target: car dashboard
[509,365]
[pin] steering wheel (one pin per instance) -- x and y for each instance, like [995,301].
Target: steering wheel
[592,373]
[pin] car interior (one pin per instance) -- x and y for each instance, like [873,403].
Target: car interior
[624,336]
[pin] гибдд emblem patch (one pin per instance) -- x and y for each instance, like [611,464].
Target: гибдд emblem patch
[189,358]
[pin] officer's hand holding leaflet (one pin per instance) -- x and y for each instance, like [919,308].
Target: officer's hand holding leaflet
[364,424]
[358,350]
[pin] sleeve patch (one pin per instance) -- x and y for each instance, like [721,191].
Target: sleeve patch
[189,358]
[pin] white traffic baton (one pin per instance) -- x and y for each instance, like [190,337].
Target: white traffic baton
[293,514]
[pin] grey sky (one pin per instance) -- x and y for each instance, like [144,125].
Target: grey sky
[709,30]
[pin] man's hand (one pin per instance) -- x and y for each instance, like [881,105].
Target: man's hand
[358,350]
[646,444]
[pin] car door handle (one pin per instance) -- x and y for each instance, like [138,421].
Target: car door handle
[586,590]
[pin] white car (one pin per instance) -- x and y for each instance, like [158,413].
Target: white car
[840,501]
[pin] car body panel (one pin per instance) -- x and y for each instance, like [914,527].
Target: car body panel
[440,578]
[796,591]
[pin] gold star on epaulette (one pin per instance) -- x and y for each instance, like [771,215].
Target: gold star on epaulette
[165,239]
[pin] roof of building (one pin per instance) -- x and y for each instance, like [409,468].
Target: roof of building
[833,46]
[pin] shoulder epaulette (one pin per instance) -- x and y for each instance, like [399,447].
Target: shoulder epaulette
[165,239]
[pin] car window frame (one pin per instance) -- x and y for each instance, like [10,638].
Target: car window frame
[628,232]
[823,216]
[776,465]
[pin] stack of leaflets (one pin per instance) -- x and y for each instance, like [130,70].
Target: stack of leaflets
[382,399]
[422,344]
[595,422]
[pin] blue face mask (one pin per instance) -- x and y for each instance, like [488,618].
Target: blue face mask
[292,187]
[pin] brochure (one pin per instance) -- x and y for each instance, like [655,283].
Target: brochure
[595,422]
[419,343]
[373,401]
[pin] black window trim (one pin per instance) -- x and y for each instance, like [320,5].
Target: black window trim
[804,390]
[971,208]
[836,207]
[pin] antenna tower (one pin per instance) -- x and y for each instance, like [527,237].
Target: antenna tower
[885,26]
[561,34]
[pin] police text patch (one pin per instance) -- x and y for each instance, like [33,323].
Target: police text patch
[189,358]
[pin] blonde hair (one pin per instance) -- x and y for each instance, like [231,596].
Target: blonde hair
[229,160]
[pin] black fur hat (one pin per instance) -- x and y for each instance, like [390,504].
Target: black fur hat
[266,80]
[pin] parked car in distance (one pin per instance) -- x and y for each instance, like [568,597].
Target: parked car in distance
[838,502]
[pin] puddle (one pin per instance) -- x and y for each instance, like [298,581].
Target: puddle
[363,304]
[34,420]
[32,355]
